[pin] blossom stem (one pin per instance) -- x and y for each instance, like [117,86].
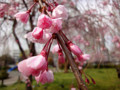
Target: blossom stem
[31,7]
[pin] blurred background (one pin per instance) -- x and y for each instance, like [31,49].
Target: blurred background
[93,25]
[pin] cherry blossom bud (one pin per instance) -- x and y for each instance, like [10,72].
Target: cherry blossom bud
[22,16]
[44,21]
[87,80]
[56,25]
[37,33]
[61,58]
[2,14]
[93,81]
[45,77]
[75,49]
[60,12]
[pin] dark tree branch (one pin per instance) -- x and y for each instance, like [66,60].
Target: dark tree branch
[74,67]
[17,40]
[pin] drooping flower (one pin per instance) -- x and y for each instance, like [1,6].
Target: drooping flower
[37,62]
[37,33]
[75,49]
[44,21]
[24,69]
[22,16]
[45,77]
[60,12]
[33,65]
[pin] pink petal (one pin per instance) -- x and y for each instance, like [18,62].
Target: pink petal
[86,56]
[44,21]
[56,25]
[55,49]
[45,77]
[46,37]
[24,69]
[22,16]
[60,12]
[36,62]
[37,33]
[50,76]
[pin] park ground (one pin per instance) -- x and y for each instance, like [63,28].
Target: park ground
[106,79]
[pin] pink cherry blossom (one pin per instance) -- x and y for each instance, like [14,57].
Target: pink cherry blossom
[44,21]
[56,25]
[45,77]
[118,45]
[22,16]
[33,65]
[3,9]
[60,12]
[79,67]
[37,62]
[37,33]
[24,69]
[75,49]
[44,39]
[55,49]
[61,58]
[115,39]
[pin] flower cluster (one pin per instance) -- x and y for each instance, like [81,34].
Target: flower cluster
[47,26]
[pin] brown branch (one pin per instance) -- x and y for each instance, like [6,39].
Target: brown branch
[75,70]
[16,38]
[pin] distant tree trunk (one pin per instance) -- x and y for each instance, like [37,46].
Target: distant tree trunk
[66,66]
[118,72]
[17,40]
[2,82]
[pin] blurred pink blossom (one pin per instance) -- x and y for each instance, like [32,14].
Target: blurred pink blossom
[22,16]
[60,12]
[73,88]
[55,49]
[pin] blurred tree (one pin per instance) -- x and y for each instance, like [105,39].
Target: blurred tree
[7,59]
[3,75]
